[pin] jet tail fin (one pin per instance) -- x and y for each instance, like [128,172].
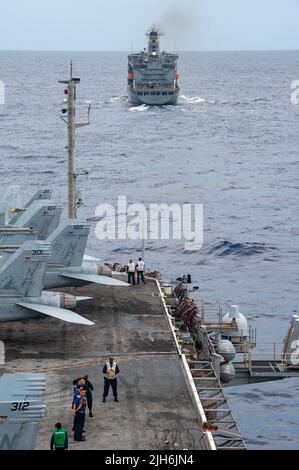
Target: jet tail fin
[43,194]
[42,216]
[22,274]
[21,408]
[69,243]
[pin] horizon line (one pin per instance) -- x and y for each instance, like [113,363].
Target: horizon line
[128,52]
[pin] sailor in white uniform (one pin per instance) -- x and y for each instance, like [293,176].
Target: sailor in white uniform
[131,272]
[140,271]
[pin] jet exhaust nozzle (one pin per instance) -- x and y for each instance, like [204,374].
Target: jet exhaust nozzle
[68,301]
[58,300]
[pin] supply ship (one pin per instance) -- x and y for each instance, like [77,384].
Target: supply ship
[152,75]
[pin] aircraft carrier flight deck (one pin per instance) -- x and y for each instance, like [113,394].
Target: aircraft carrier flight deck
[155,410]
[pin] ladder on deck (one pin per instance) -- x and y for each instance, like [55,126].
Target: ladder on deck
[216,407]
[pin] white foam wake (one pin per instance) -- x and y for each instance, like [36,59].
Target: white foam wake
[195,99]
[142,107]
[114,99]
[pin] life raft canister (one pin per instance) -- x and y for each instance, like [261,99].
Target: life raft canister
[130,77]
[177,76]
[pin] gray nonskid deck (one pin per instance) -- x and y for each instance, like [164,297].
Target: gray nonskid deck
[155,409]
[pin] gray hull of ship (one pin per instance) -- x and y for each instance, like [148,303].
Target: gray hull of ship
[153,100]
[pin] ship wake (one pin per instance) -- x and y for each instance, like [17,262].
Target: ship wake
[195,99]
[141,108]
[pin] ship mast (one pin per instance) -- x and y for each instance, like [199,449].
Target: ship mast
[153,35]
[71,92]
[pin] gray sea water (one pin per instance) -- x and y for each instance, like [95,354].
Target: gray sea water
[231,143]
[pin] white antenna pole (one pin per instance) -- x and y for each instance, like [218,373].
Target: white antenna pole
[72,125]
[143,249]
[72,190]
[144,233]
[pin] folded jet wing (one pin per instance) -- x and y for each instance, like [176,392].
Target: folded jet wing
[95,279]
[59,313]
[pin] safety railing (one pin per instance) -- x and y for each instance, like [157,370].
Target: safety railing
[206,441]
[220,430]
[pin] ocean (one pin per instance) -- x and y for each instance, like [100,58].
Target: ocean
[230,144]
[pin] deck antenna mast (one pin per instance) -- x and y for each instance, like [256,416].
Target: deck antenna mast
[70,110]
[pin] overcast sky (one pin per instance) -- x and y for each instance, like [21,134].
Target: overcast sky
[103,25]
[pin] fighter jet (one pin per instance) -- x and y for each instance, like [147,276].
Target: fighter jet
[66,265]
[21,408]
[21,282]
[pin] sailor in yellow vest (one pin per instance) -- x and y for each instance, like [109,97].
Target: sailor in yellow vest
[110,372]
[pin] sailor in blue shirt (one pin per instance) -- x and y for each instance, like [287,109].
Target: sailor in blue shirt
[79,410]
[88,387]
